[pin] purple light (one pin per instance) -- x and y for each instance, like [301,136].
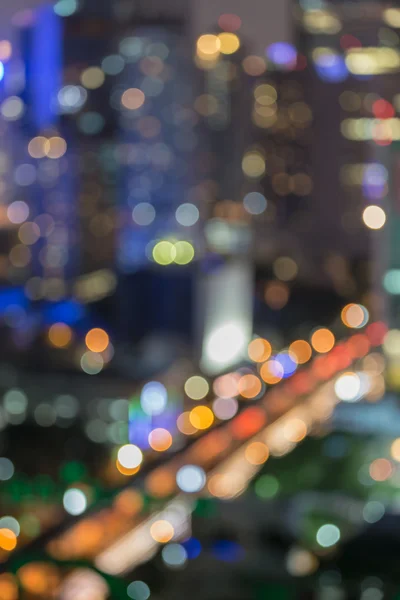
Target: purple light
[282,54]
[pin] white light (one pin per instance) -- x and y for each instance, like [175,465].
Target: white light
[225,408]
[130,456]
[226,344]
[187,214]
[328,535]
[190,478]
[6,469]
[174,555]
[143,214]
[255,203]
[153,398]
[11,524]
[348,387]
[75,501]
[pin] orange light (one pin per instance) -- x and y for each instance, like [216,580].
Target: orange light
[272,372]
[257,453]
[60,335]
[160,439]
[161,483]
[276,294]
[129,502]
[39,578]
[249,386]
[322,340]
[301,350]
[162,531]
[8,540]
[259,350]
[125,471]
[380,469]
[8,587]
[97,340]
[133,99]
[201,417]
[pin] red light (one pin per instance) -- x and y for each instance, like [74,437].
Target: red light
[382,109]
[376,332]
[349,41]
[301,62]
[248,423]
[229,22]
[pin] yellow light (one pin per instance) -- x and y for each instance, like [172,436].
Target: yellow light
[321,21]
[133,99]
[285,268]
[374,217]
[160,439]
[253,164]
[229,43]
[196,387]
[97,340]
[391,343]
[92,78]
[301,350]
[322,340]
[249,386]
[164,253]
[184,253]
[259,350]
[395,450]
[208,46]
[201,417]
[265,94]
[372,60]
[162,531]
[60,335]
[392,16]
[257,453]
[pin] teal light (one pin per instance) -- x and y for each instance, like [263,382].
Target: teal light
[65,8]
[391,282]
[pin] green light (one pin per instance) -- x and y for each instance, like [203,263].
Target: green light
[266,486]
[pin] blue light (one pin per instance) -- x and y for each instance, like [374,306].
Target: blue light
[331,68]
[68,312]
[192,547]
[282,53]
[227,551]
[11,297]
[1,71]
[289,366]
